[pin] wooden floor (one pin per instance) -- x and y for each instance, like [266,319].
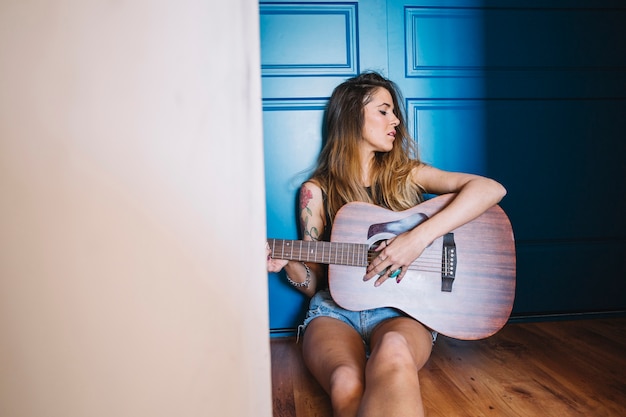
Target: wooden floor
[560,369]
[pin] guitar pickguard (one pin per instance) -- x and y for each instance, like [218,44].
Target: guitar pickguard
[397,226]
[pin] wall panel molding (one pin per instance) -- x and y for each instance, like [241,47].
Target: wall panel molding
[441,126]
[282,104]
[457,50]
[299,35]
[450,41]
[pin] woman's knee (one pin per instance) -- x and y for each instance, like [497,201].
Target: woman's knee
[347,384]
[402,347]
[393,349]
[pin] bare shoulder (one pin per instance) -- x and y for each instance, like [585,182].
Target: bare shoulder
[311,196]
[312,187]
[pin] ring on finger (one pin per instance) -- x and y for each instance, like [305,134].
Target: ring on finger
[395,273]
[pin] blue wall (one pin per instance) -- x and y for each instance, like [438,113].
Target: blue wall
[532,93]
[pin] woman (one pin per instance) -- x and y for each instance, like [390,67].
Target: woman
[368,362]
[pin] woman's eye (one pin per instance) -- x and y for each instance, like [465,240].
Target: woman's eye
[384,113]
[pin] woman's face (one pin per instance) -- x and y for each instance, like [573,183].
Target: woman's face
[379,122]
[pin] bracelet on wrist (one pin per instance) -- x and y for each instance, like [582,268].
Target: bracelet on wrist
[306,282]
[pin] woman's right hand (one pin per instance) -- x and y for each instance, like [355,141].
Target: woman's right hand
[274,265]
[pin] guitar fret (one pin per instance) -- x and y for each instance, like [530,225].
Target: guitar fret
[352,257]
[339,253]
[361,255]
[342,253]
[319,254]
[306,255]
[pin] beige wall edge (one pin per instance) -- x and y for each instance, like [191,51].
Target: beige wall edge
[132,278]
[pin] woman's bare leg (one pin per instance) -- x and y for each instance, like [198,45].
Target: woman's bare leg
[335,354]
[400,348]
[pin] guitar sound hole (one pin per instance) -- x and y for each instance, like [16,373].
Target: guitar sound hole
[373,251]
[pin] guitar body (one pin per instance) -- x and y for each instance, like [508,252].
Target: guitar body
[482,293]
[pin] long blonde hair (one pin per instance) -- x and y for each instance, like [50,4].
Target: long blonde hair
[338,171]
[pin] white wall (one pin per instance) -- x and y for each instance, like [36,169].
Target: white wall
[132,214]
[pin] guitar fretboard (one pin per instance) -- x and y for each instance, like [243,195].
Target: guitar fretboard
[336,253]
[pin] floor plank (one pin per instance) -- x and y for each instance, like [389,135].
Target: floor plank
[561,368]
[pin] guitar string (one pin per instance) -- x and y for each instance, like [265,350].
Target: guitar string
[426,262]
[359,259]
[350,252]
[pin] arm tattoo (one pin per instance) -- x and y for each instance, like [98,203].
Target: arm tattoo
[305,214]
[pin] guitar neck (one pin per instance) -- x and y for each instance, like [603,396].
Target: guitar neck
[352,254]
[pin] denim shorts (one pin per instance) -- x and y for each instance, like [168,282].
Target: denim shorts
[364,322]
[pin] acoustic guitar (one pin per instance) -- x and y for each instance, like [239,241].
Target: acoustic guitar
[462,286]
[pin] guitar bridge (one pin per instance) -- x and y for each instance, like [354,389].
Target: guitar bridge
[448,263]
